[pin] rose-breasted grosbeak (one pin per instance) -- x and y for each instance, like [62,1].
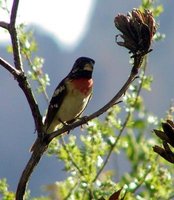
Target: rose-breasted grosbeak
[71,96]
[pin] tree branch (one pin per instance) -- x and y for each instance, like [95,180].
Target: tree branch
[32,163]
[14,37]
[25,86]
[42,143]
[71,157]
[4,25]
[14,12]
[10,68]
[18,71]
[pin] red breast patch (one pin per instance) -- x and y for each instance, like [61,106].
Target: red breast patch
[83,85]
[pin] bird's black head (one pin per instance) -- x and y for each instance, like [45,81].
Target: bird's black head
[82,68]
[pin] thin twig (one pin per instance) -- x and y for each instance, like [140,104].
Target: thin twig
[70,156]
[10,68]
[30,63]
[4,25]
[112,147]
[123,126]
[14,37]
[71,191]
[142,180]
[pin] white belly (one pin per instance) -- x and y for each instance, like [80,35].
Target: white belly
[73,105]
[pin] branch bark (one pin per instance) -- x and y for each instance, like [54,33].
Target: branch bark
[14,37]
[10,68]
[32,163]
[4,25]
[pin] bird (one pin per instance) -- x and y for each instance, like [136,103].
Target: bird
[71,96]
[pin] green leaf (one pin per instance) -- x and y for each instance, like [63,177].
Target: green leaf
[147,81]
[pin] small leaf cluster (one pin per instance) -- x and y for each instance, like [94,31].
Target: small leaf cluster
[152,5]
[4,190]
[6,194]
[85,160]
[147,178]
[28,48]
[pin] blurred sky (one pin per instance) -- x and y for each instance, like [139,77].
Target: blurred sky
[66,30]
[66,21]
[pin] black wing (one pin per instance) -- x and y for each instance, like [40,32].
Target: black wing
[55,103]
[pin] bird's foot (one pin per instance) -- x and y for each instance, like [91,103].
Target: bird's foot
[65,125]
[85,119]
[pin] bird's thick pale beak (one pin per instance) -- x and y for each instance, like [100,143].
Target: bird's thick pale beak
[88,67]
